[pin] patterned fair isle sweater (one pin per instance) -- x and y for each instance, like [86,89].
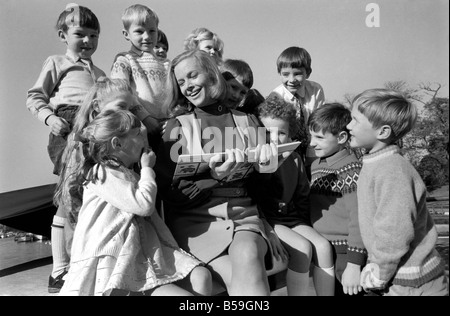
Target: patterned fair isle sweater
[149,78]
[396,227]
[334,205]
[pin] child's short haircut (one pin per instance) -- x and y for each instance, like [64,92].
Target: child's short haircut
[387,107]
[277,108]
[162,38]
[239,68]
[295,57]
[330,118]
[85,16]
[139,14]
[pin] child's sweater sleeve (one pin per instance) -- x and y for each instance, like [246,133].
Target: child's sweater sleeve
[38,97]
[125,194]
[393,228]
[356,252]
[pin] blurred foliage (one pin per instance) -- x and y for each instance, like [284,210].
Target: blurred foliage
[427,145]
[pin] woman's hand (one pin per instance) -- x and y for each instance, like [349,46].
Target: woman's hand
[278,251]
[234,160]
[266,157]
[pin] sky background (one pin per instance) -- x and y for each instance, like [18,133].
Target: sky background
[410,44]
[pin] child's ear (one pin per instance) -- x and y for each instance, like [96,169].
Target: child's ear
[115,143]
[126,34]
[384,132]
[342,137]
[62,36]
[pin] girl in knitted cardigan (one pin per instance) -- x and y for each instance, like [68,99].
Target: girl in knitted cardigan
[120,244]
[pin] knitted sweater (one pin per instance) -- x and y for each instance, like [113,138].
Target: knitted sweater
[334,205]
[149,78]
[396,227]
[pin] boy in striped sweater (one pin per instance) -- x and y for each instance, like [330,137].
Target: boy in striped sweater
[396,227]
[333,201]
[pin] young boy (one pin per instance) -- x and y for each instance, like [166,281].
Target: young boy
[148,75]
[396,227]
[162,45]
[334,205]
[55,98]
[294,68]
[283,198]
[239,78]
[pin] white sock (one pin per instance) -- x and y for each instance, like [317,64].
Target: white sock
[297,283]
[323,281]
[60,257]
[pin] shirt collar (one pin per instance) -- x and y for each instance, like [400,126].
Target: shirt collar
[333,159]
[299,94]
[74,58]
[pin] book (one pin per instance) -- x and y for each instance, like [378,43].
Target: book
[191,165]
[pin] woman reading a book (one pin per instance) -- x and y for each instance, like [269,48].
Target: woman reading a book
[205,196]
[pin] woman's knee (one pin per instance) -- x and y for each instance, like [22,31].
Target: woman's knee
[248,248]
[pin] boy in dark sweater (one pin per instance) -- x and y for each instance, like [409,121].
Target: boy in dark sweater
[333,200]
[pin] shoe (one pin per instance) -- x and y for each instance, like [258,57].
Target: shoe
[55,284]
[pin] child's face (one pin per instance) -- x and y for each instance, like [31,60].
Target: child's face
[160,50]
[362,133]
[194,82]
[142,36]
[208,46]
[325,144]
[278,129]
[81,41]
[131,147]
[293,78]
[236,92]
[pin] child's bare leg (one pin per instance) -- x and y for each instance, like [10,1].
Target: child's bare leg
[198,282]
[249,275]
[300,254]
[323,273]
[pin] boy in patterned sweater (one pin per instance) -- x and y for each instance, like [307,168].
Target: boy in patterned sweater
[396,227]
[148,75]
[333,200]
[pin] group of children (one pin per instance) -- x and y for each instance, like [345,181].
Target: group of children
[354,224]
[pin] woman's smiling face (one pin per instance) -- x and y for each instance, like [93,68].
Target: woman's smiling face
[194,82]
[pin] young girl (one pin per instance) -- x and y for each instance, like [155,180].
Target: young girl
[207,41]
[105,94]
[283,198]
[120,242]
[209,214]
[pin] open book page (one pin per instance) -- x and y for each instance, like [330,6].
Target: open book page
[191,165]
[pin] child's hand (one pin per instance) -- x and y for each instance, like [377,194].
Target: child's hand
[148,158]
[58,125]
[370,278]
[351,278]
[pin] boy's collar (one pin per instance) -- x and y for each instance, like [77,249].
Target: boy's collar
[299,94]
[386,151]
[331,160]
[75,58]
